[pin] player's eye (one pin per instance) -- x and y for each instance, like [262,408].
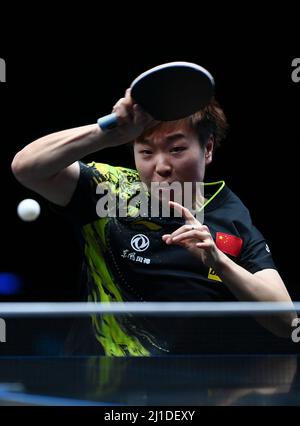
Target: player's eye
[178,148]
[146,152]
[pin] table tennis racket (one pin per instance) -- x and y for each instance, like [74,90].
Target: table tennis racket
[169,92]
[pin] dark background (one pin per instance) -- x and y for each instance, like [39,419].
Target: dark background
[55,83]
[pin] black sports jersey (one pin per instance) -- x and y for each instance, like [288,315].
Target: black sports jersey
[127,260]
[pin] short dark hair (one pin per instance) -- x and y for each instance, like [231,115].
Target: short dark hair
[210,120]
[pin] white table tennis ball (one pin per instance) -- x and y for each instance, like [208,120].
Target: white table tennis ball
[28,210]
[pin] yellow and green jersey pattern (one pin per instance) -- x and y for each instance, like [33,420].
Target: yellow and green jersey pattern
[110,330]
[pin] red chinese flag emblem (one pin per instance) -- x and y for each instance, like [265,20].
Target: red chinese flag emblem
[229,244]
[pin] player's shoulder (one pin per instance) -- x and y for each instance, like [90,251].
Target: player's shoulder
[233,207]
[234,200]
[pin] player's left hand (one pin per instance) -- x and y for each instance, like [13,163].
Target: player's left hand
[195,237]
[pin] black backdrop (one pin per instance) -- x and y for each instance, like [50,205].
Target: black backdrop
[58,83]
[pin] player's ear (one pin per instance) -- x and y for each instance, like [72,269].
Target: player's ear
[209,149]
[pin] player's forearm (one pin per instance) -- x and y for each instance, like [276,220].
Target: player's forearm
[243,284]
[50,154]
[249,287]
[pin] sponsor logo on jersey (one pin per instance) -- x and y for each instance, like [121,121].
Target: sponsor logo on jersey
[140,242]
[213,276]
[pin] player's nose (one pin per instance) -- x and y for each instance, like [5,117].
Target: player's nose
[163,167]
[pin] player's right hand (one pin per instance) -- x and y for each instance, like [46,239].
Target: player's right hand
[132,119]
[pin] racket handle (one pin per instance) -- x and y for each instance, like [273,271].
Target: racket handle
[108,122]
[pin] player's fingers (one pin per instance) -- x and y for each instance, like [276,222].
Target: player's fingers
[200,235]
[204,245]
[184,228]
[182,210]
[124,111]
[168,238]
[128,93]
[128,99]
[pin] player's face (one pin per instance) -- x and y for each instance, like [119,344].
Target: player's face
[172,154]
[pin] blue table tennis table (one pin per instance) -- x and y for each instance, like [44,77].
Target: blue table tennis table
[141,381]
